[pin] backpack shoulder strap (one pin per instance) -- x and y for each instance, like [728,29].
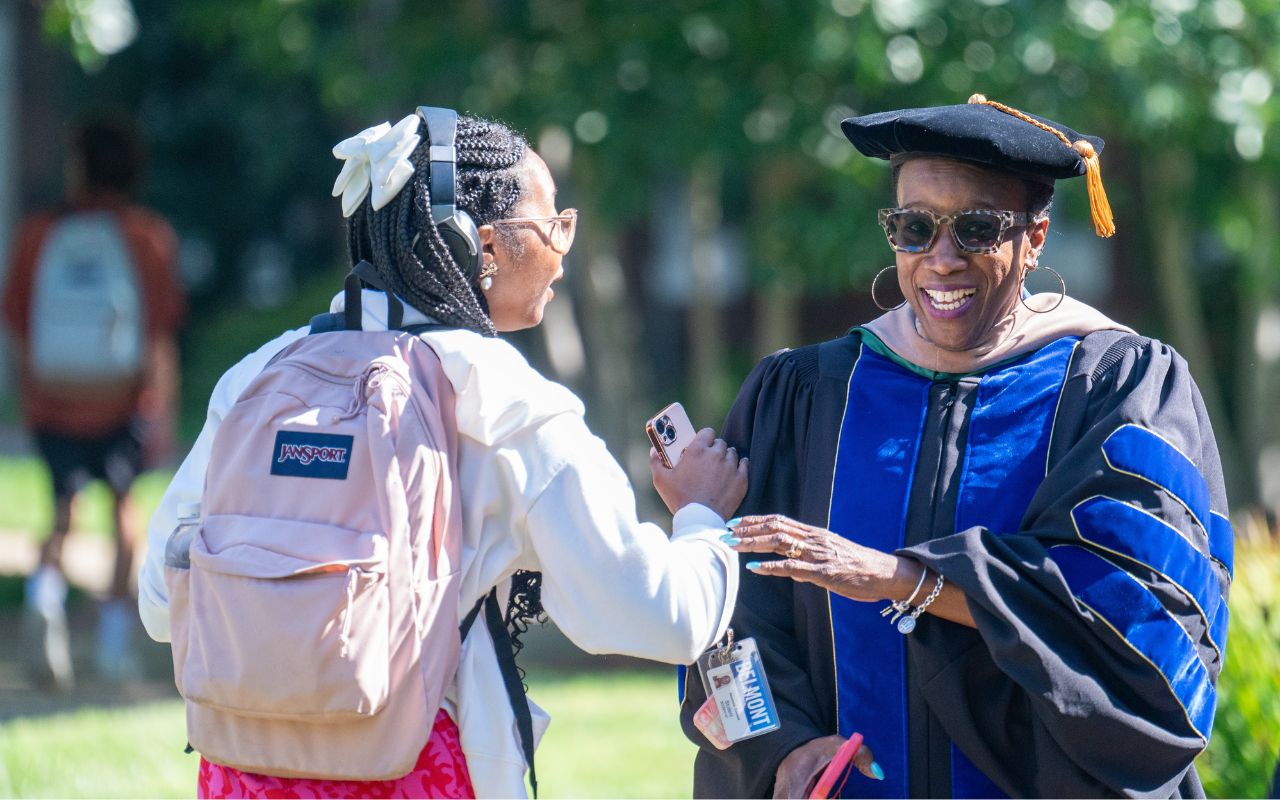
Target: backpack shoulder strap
[510,673]
[470,618]
[364,271]
[351,317]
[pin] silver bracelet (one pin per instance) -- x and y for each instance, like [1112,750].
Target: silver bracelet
[908,624]
[903,606]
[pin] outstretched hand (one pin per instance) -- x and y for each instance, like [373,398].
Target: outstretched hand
[709,472]
[816,555]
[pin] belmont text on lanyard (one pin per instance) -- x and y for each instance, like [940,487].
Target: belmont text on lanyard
[739,704]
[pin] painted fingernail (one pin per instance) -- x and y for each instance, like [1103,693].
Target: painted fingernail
[875,770]
[730,539]
[733,523]
[753,565]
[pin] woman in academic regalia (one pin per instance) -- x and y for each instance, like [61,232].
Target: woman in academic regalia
[994,526]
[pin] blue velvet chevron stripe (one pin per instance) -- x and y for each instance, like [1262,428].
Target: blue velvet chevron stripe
[1145,455]
[1134,450]
[875,462]
[1135,534]
[1126,606]
[1222,541]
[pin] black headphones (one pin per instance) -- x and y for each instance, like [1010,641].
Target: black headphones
[455,225]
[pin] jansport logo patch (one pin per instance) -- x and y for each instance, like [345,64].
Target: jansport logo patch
[311,455]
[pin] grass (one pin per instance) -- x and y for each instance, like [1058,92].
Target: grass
[26,499]
[613,734]
[134,752]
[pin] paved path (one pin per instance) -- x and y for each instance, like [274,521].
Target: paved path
[21,697]
[87,558]
[88,562]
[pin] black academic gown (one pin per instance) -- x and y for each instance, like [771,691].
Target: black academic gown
[1074,494]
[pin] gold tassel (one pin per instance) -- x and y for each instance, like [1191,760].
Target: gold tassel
[1099,209]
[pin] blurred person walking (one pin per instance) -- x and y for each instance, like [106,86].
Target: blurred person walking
[92,304]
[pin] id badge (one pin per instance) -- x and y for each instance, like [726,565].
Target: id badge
[739,704]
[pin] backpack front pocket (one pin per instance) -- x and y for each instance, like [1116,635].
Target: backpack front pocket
[287,620]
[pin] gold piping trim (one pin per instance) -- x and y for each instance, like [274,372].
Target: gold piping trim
[1144,478]
[1227,520]
[1053,427]
[1208,624]
[1141,655]
[831,623]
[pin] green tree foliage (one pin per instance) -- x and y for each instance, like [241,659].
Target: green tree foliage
[757,88]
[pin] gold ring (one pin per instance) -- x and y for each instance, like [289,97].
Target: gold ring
[796,550]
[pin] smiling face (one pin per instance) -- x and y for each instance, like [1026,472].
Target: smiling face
[959,297]
[526,263]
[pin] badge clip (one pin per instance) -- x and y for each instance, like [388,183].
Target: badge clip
[739,703]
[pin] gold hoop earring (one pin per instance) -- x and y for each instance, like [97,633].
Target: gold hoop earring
[875,300]
[486,275]
[1022,291]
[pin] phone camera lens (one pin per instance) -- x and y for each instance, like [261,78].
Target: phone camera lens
[666,431]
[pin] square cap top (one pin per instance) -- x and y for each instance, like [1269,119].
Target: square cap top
[974,132]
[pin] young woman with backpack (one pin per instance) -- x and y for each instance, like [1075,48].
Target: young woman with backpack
[544,508]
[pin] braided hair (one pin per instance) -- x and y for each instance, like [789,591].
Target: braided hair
[424,272]
[489,182]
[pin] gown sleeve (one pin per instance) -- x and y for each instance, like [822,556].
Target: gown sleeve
[768,422]
[1101,622]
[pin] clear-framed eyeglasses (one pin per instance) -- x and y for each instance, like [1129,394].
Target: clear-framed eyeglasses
[979,230]
[559,231]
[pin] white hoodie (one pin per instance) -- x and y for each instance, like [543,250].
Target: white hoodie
[539,492]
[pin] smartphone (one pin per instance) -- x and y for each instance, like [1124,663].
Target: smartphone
[842,761]
[670,432]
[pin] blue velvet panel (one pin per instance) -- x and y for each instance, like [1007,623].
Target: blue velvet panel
[1147,539]
[1008,445]
[1142,622]
[1143,454]
[967,781]
[875,461]
[681,674]
[1005,454]
[1009,438]
[1222,541]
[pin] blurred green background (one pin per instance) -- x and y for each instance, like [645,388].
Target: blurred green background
[723,214]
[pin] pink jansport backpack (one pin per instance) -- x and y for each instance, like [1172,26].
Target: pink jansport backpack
[316,629]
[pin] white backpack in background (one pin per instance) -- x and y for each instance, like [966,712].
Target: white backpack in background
[86,317]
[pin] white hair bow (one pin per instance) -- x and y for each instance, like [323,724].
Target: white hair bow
[376,158]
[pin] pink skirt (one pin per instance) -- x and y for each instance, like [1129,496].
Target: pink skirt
[441,772]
